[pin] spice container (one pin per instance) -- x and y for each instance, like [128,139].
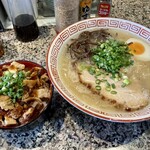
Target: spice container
[66,13]
[104,8]
[85,9]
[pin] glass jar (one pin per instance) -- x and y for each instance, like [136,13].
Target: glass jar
[23,19]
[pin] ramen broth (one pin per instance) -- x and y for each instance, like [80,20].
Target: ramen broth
[70,78]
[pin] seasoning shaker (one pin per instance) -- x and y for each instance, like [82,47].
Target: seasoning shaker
[104,8]
[66,13]
[85,9]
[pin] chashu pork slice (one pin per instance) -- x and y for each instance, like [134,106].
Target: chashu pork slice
[131,97]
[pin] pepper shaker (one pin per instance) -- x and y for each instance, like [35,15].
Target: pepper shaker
[66,13]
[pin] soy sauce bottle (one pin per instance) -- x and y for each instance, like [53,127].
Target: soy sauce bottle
[23,19]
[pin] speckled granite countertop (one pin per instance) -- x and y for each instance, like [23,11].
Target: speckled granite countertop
[63,127]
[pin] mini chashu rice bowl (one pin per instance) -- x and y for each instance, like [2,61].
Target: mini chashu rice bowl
[18,110]
[76,93]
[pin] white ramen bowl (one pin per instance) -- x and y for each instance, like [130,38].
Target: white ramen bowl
[87,25]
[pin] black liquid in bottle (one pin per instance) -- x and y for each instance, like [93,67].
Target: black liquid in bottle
[26,28]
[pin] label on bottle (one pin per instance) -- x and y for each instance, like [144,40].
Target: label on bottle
[85,8]
[104,10]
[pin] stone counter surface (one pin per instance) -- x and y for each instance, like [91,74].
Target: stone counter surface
[63,127]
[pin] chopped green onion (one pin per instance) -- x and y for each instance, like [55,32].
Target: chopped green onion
[107,83]
[113,92]
[92,70]
[123,85]
[103,80]
[108,58]
[12,84]
[113,86]
[112,55]
[126,81]
[98,81]
[98,72]
[98,87]
[108,88]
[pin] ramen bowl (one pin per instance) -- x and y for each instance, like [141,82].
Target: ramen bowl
[26,92]
[56,59]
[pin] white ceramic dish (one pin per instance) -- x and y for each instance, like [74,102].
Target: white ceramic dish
[85,25]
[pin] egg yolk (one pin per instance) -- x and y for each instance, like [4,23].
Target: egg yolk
[136,48]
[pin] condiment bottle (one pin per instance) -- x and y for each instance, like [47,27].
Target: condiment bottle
[66,13]
[85,9]
[104,8]
[23,19]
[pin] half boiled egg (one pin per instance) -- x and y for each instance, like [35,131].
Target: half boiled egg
[139,48]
